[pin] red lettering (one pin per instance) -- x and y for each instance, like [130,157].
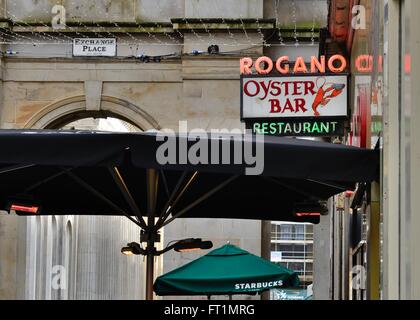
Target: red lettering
[245,65]
[276,90]
[300,66]
[296,87]
[266,88]
[275,106]
[309,87]
[364,63]
[285,69]
[341,59]
[257,88]
[317,65]
[288,106]
[265,65]
[268,65]
[286,88]
[300,104]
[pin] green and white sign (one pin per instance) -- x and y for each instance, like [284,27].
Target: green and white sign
[307,105]
[290,294]
[297,127]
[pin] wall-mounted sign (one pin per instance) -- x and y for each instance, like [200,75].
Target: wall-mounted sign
[94,47]
[276,256]
[295,105]
[294,96]
[306,127]
[265,65]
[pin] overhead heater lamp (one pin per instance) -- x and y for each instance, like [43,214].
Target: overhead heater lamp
[308,214]
[132,248]
[194,244]
[24,208]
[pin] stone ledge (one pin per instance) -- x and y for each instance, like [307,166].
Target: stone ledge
[223,24]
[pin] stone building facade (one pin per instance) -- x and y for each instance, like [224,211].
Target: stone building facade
[42,85]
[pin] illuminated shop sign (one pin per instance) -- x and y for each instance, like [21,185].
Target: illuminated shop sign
[337,64]
[298,127]
[295,105]
[294,96]
[265,65]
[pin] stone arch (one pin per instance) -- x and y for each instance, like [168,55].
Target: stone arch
[64,111]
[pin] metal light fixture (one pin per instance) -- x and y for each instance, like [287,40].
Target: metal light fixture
[24,205]
[132,248]
[192,245]
[24,208]
[213,49]
[311,209]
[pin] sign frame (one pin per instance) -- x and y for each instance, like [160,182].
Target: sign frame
[95,56]
[343,120]
[341,127]
[292,75]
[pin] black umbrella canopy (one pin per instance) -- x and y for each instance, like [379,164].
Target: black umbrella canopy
[97,173]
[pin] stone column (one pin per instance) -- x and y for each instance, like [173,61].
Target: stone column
[323,237]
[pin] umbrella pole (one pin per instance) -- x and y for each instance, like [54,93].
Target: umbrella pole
[152,178]
[150,265]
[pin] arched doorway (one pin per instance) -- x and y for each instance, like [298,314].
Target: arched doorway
[62,112]
[91,245]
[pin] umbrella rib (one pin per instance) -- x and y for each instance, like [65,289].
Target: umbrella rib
[122,186]
[165,182]
[39,183]
[15,168]
[329,184]
[100,195]
[172,202]
[186,186]
[163,215]
[201,199]
[152,179]
[292,188]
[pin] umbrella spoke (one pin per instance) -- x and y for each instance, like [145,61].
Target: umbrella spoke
[95,192]
[175,196]
[163,214]
[199,200]
[152,179]
[15,168]
[329,184]
[119,180]
[185,188]
[165,182]
[46,180]
[297,190]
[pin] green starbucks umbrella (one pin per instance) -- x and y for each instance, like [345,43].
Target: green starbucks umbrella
[228,270]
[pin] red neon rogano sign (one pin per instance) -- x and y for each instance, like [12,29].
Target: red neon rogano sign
[265,65]
[22,208]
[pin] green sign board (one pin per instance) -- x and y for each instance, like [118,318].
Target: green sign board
[298,127]
[289,294]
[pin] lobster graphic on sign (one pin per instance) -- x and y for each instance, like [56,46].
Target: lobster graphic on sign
[326,92]
[294,96]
